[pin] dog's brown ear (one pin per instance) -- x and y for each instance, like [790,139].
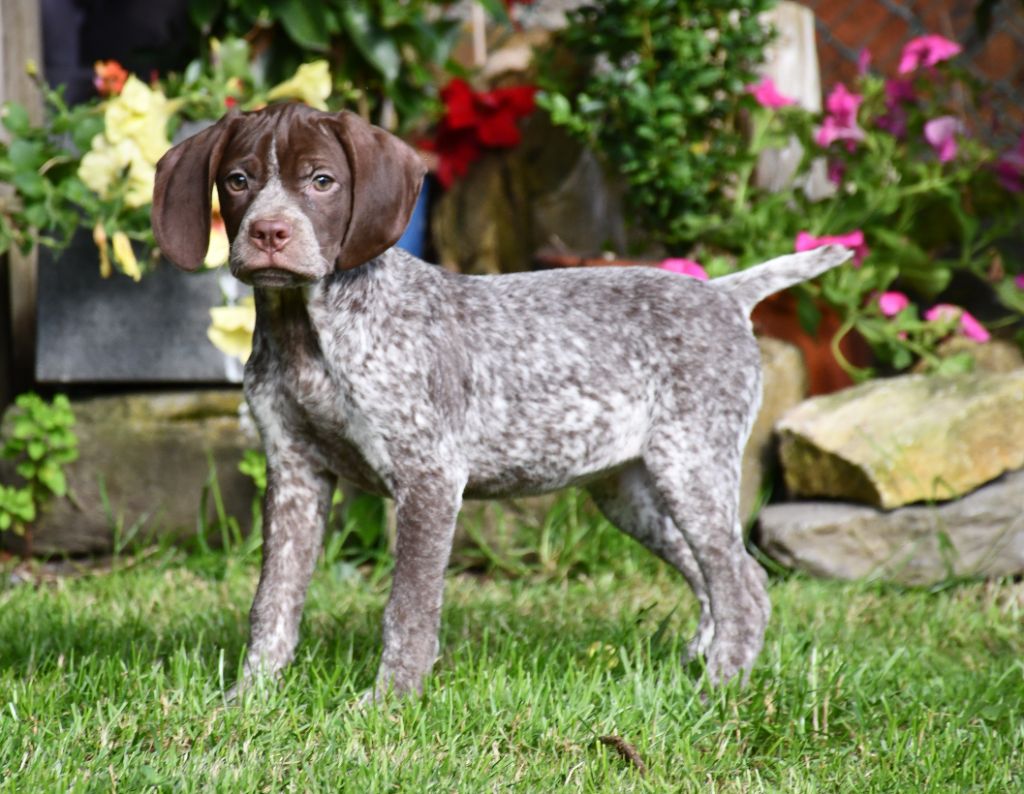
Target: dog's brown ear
[386,179]
[181,194]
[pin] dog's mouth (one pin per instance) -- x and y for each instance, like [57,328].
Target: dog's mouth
[274,277]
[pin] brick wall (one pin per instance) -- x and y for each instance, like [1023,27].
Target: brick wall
[844,28]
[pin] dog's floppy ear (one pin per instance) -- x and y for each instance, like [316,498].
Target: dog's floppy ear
[181,194]
[386,178]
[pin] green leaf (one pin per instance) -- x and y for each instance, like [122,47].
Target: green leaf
[235,56]
[304,22]
[203,12]
[53,478]
[26,155]
[496,9]
[36,450]
[85,131]
[15,118]
[807,313]
[901,358]
[29,184]
[375,45]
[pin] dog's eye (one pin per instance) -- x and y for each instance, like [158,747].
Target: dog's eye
[322,182]
[237,182]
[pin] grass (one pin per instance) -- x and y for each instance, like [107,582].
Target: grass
[113,682]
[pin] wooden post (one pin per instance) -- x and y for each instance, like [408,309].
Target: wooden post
[21,42]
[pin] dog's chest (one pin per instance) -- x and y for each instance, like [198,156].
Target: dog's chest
[298,394]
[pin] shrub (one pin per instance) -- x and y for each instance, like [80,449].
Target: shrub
[652,87]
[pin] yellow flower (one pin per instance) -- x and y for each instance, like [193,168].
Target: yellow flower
[125,256]
[140,114]
[231,328]
[219,249]
[311,83]
[99,236]
[106,163]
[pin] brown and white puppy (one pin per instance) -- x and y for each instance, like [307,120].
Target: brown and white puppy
[430,387]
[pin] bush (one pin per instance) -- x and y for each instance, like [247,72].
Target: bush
[652,88]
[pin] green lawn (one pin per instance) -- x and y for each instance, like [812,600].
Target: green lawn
[113,682]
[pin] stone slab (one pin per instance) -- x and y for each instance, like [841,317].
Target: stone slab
[981,534]
[144,463]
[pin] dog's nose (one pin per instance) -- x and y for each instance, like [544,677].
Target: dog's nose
[270,235]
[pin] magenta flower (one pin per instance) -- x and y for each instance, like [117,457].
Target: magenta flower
[941,133]
[926,51]
[841,122]
[1010,168]
[836,172]
[892,303]
[768,96]
[1018,281]
[969,326]
[686,267]
[853,240]
[897,94]
[893,122]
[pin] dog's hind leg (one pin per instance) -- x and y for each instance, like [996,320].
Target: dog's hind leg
[699,485]
[629,500]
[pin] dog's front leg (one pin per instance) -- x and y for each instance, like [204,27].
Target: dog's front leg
[426,508]
[294,515]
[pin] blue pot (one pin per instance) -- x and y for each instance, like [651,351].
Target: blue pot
[414,238]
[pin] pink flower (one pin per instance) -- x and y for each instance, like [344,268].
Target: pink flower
[841,122]
[926,51]
[864,61]
[941,133]
[892,303]
[853,240]
[969,326]
[1010,168]
[768,96]
[1018,281]
[843,105]
[686,267]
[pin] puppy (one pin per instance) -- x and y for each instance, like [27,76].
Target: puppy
[430,387]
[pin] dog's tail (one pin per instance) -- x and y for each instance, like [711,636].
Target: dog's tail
[752,286]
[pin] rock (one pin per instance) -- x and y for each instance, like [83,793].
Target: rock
[785,385]
[979,535]
[900,440]
[144,463]
[995,355]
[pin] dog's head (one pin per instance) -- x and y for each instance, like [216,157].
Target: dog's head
[302,193]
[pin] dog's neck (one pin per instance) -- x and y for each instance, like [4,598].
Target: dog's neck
[297,321]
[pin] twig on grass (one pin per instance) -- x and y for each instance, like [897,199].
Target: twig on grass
[626,750]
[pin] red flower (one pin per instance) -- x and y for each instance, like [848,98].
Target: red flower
[476,121]
[109,77]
